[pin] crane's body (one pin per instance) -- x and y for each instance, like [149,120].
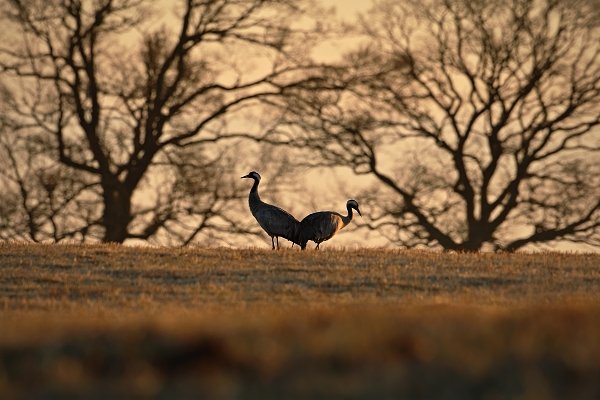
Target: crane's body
[323,225]
[275,221]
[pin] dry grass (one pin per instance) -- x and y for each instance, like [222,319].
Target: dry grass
[216,323]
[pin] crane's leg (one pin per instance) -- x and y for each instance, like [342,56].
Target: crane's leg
[317,248]
[272,243]
[277,239]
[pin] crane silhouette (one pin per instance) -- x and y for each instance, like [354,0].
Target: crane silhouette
[275,221]
[323,225]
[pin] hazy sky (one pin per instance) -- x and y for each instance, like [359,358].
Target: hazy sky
[347,9]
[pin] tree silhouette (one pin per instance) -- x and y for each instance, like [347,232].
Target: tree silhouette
[477,122]
[113,115]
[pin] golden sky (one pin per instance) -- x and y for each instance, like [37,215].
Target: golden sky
[347,9]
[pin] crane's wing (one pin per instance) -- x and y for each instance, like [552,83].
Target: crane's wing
[277,222]
[320,226]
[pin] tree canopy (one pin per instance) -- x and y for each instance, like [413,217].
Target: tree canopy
[477,122]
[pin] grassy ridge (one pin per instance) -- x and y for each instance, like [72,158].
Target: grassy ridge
[110,320]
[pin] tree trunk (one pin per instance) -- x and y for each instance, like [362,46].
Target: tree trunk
[470,247]
[479,233]
[117,211]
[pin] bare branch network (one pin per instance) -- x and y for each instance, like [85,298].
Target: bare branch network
[478,122]
[114,118]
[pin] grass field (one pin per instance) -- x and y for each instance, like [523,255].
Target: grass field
[123,322]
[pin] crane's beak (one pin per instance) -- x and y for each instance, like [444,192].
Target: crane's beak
[358,211]
[245,176]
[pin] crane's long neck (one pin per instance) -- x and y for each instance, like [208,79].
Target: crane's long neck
[346,220]
[253,196]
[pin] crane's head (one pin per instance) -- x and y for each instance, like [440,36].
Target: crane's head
[353,204]
[253,175]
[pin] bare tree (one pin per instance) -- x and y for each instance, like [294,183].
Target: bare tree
[477,122]
[117,116]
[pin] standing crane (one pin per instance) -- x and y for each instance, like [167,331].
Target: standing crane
[274,220]
[323,225]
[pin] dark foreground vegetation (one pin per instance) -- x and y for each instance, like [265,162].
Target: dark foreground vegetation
[110,321]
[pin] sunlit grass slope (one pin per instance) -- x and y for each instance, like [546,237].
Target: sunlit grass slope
[218,323]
